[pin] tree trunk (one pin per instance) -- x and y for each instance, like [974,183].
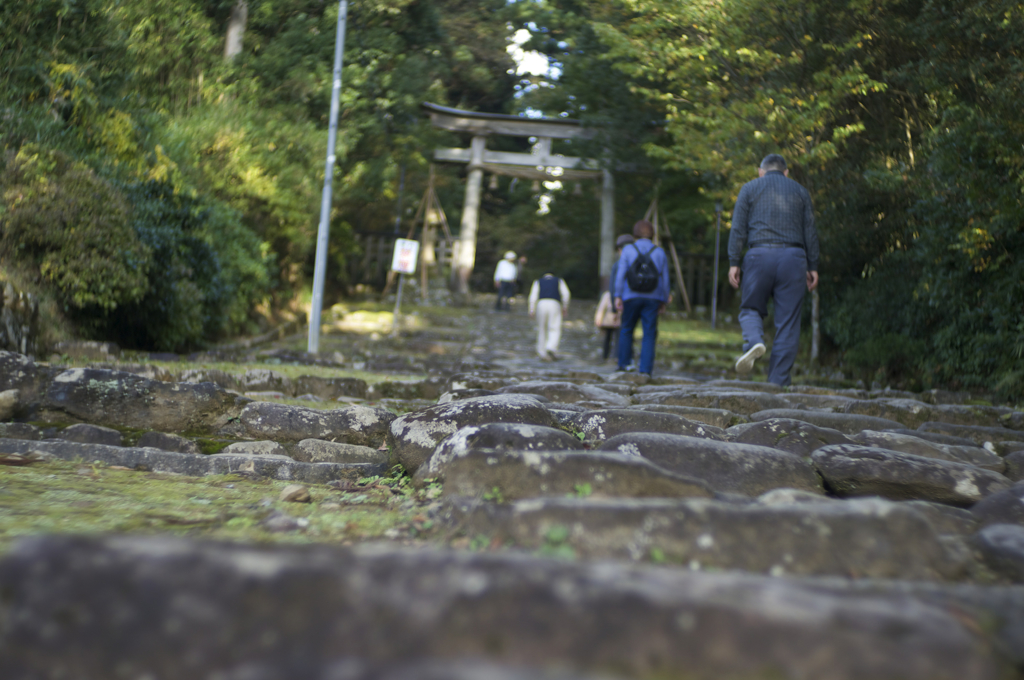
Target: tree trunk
[236,29]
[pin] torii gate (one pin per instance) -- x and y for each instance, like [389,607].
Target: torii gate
[538,165]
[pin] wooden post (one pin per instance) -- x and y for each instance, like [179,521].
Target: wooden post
[702,279]
[382,257]
[367,256]
[690,271]
[398,307]
[679,275]
[412,227]
[653,215]
[427,256]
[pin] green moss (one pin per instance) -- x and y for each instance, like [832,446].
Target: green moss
[494,495]
[291,371]
[71,498]
[130,436]
[211,446]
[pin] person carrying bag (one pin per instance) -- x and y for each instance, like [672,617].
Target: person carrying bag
[609,321]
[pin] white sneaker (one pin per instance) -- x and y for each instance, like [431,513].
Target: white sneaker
[745,363]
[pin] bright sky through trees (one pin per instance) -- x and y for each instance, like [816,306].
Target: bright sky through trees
[529,62]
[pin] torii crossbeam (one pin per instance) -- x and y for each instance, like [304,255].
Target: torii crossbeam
[541,164]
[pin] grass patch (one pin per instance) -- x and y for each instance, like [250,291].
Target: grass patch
[695,332]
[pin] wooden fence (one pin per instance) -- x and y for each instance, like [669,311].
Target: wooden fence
[370,266]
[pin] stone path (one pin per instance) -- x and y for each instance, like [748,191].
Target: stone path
[508,340]
[617,526]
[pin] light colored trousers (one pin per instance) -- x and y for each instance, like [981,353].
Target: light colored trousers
[549,326]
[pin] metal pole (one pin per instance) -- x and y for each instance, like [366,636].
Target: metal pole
[325,204]
[714,276]
[398,305]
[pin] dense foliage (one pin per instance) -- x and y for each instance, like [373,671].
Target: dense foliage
[901,117]
[199,177]
[193,181]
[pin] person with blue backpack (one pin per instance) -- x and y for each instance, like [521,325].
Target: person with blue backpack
[641,294]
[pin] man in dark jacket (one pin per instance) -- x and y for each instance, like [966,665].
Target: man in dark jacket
[774,216]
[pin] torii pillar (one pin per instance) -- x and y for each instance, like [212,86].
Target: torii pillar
[470,216]
[541,164]
[607,227]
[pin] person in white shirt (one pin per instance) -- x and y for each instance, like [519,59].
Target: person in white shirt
[549,302]
[505,275]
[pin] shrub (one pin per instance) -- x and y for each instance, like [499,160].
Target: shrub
[137,263]
[207,272]
[895,358]
[72,228]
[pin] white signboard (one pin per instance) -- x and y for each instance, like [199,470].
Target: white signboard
[406,253]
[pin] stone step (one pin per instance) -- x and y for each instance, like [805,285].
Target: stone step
[413,437]
[599,425]
[514,475]
[196,465]
[726,467]
[854,470]
[742,403]
[174,609]
[847,423]
[866,538]
[977,434]
[913,413]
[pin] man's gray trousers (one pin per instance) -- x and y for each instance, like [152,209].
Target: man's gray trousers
[779,273]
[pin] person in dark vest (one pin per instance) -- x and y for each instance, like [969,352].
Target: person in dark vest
[549,302]
[774,217]
[641,306]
